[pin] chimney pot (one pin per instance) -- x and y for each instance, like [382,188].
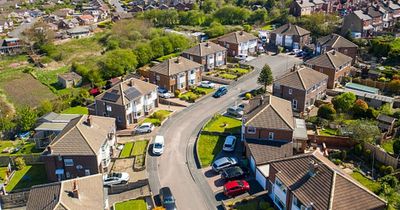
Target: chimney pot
[241,32]
[49,149]
[131,83]
[313,168]
[75,190]
[89,121]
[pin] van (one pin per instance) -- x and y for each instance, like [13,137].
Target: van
[158,145]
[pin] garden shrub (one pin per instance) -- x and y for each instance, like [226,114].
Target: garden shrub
[337,161]
[200,92]
[358,149]
[248,96]
[327,111]
[386,169]
[344,155]
[20,163]
[177,93]
[367,153]
[184,97]
[192,98]
[159,115]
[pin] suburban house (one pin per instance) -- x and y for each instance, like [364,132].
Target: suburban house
[238,43]
[290,36]
[176,74]
[270,131]
[78,32]
[338,43]
[49,126]
[332,63]
[11,46]
[359,24]
[79,193]
[386,123]
[69,80]
[127,102]
[302,87]
[311,181]
[305,7]
[84,147]
[87,19]
[209,54]
[377,16]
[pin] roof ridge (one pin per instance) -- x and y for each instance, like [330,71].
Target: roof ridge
[291,157]
[122,92]
[330,59]
[84,137]
[332,194]
[301,79]
[200,49]
[282,118]
[259,112]
[55,142]
[337,38]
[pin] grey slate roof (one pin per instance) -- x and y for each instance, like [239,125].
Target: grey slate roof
[269,112]
[302,79]
[335,41]
[174,66]
[70,76]
[385,118]
[331,59]
[265,151]
[205,48]
[360,14]
[237,37]
[291,30]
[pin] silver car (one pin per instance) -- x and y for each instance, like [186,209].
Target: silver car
[224,162]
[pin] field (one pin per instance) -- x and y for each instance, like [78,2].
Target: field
[80,49]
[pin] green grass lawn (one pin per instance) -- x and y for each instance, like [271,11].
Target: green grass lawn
[388,146]
[223,124]
[139,148]
[24,149]
[208,146]
[126,151]
[157,117]
[240,70]
[228,76]
[3,172]
[370,184]
[27,177]
[49,77]
[267,27]
[76,110]
[328,132]
[131,204]
[207,90]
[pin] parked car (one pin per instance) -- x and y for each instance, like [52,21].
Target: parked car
[233,173]
[229,144]
[220,92]
[115,178]
[241,57]
[167,199]
[163,93]
[158,146]
[237,187]
[207,84]
[235,111]
[145,128]
[294,51]
[223,163]
[300,54]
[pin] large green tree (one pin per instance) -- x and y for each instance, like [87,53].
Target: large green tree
[266,78]
[363,131]
[26,118]
[344,102]
[118,62]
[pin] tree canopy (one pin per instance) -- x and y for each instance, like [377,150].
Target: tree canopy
[266,78]
[363,131]
[344,102]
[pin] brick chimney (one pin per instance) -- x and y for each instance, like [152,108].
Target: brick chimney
[75,190]
[178,60]
[241,33]
[313,168]
[49,149]
[131,83]
[334,52]
[207,44]
[89,121]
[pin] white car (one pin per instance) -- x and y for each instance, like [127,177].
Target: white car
[241,57]
[229,144]
[115,178]
[207,84]
[145,128]
[158,145]
[224,162]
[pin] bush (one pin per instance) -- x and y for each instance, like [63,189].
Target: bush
[20,163]
[358,149]
[248,96]
[386,169]
[184,97]
[396,146]
[193,98]
[344,155]
[159,116]
[327,111]
[177,93]
[336,161]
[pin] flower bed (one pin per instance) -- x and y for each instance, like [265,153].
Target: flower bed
[229,73]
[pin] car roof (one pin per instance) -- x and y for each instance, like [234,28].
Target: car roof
[233,169]
[145,124]
[230,139]
[159,139]
[231,184]
[166,191]
[221,160]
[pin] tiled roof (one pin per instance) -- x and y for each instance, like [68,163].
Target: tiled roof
[70,76]
[291,30]
[305,3]
[302,79]
[265,151]
[385,118]
[374,12]
[237,37]
[335,41]
[56,196]
[174,66]
[328,188]
[332,60]
[269,112]
[205,48]
[360,14]
[77,138]
[118,93]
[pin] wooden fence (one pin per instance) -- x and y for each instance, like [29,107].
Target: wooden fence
[381,155]
[14,200]
[371,83]
[29,159]
[332,142]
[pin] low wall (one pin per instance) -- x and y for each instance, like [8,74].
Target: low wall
[168,102]
[29,159]
[381,155]
[115,189]
[332,142]
[217,80]
[14,200]
[371,83]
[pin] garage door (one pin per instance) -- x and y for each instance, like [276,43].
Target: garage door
[252,164]
[261,179]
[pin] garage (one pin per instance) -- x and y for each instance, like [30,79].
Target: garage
[262,173]
[252,164]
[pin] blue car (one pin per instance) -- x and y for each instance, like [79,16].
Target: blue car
[220,92]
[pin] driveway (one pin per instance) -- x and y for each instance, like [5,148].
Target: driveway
[177,168]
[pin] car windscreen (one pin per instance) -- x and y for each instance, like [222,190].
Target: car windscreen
[157,146]
[169,200]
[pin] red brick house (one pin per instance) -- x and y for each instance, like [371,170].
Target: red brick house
[176,74]
[338,43]
[290,36]
[84,147]
[334,64]
[311,181]
[209,54]
[238,43]
[302,87]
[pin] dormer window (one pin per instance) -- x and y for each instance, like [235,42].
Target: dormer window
[251,130]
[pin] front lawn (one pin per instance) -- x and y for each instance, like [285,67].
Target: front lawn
[27,177]
[132,204]
[228,76]
[328,132]
[223,124]
[23,147]
[368,183]
[157,117]
[139,148]
[76,110]
[206,90]
[126,151]
[208,146]
[388,146]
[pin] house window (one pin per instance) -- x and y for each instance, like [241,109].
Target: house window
[290,91]
[87,172]
[68,175]
[68,162]
[294,104]
[271,135]
[109,109]
[192,71]
[297,203]
[128,105]
[158,77]
[251,130]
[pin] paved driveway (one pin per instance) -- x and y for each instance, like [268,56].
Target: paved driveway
[280,64]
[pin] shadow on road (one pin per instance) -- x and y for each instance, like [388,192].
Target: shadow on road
[157,200]
[210,173]
[220,196]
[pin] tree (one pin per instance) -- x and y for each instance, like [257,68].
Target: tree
[326,111]
[215,29]
[26,118]
[258,17]
[360,109]
[394,86]
[39,34]
[144,54]
[45,107]
[363,131]
[344,101]
[118,62]
[266,78]
[231,15]
[208,6]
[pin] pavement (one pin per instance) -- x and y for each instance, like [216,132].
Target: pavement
[177,167]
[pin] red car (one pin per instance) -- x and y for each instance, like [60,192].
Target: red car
[237,187]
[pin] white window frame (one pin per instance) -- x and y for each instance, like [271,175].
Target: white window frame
[251,130]
[109,108]
[68,162]
[294,104]
[290,91]
[271,135]
[87,172]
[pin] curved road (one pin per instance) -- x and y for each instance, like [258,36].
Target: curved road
[176,168]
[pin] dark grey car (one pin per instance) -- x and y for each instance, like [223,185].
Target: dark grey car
[167,199]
